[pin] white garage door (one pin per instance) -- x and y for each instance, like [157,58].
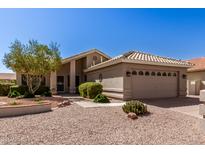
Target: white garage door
[154,84]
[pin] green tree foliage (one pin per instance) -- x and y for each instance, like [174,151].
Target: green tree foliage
[34,60]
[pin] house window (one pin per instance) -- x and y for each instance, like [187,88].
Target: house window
[141,73]
[128,73]
[153,73]
[164,74]
[169,74]
[146,73]
[134,73]
[158,74]
[184,76]
[174,74]
[100,77]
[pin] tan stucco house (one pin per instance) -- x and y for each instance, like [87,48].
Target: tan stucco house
[131,75]
[196,76]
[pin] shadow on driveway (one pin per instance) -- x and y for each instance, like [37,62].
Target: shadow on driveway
[172,102]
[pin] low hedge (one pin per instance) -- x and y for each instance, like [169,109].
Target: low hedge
[100,98]
[7,81]
[23,90]
[5,88]
[90,89]
[135,106]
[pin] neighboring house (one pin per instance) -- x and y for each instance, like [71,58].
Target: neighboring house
[7,76]
[132,75]
[196,76]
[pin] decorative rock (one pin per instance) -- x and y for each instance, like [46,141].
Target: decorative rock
[64,103]
[132,115]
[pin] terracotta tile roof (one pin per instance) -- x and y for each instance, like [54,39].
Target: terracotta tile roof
[143,58]
[199,64]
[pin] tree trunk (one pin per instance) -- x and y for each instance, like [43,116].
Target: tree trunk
[33,83]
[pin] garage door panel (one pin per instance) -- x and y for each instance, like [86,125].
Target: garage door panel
[154,86]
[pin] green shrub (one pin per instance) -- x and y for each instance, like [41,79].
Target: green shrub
[38,99]
[134,106]
[23,90]
[14,94]
[28,95]
[5,88]
[14,103]
[20,89]
[83,89]
[47,94]
[90,89]
[94,89]
[43,91]
[7,81]
[100,98]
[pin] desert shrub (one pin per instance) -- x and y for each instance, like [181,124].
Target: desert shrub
[38,99]
[47,94]
[134,106]
[100,98]
[5,88]
[14,103]
[83,89]
[14,94]
[93,89]
[23,90]
[90,89]
[20,89]
[7,81]
[27,94]
[39,102]
[44,91]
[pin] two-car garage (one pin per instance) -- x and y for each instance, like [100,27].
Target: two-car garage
[154,84]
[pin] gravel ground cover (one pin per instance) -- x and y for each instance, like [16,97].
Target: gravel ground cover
[110,125]
[5,101]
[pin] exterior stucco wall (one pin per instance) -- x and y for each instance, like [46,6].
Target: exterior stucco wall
[131,67]
[64,70]
[112,80]
[195,82]
[116,83]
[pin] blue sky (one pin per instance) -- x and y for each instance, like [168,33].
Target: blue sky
[177,33]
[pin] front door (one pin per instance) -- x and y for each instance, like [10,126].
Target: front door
[60,83]
[77,83]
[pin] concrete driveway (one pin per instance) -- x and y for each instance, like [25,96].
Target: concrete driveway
[186,105]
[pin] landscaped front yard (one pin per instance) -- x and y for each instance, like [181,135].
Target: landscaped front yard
[105,125]
[5,101]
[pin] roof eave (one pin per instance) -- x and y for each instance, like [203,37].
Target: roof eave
[102,65]
[78,56]
[197,70]
[154,63]
[124,60]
